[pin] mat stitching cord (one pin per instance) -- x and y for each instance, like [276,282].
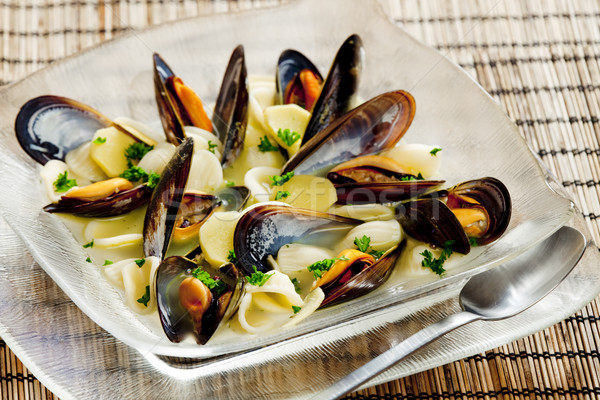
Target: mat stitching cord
[481,18]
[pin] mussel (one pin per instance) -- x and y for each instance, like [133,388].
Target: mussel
[372,127]
[376,179]
[338,94]
[297,81]
[194,209]
[194,300]
[472,212]
[48,127]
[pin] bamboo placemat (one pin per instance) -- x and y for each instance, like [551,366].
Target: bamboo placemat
[540,61]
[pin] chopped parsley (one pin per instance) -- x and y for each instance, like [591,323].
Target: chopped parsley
[88,260]
[288,137]
[215,285]
[364,244]
[278,180]
[296,309]
[258,278]
[211,146]
[63,183]
[107,262]
[265,145]
[230,184]
[419,177]
[90,244]
[140,263]
[282,195]
[99,140]
[319,267]
[473,241]
[437,264]
[296,285]
[435,151]
[136,174]
[145,298]
[135,152]
[231,257]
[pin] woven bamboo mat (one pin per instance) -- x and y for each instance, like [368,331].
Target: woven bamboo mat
[540,61]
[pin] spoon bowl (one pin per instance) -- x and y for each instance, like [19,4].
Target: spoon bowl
[494,294]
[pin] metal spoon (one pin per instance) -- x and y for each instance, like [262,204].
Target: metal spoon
[495,294]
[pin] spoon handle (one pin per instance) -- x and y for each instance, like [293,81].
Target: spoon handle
[396,353]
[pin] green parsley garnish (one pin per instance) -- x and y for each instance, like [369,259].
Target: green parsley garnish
[282,195]
[135,152]
[420,177]
[473,241]
[136,174]
[107,262]
[376,254]
[99,140]
[296,309]
[277,180]
[319,267]
[296,285]
[90,244]
[363,243]
[230,184]
[288,137]
[437,264]
[153,179]
[231,257]
[140,263]
[63,183]
[258,278]
[211,146]
[88,260]
[145,298]
[435,151]
[265,145]
[216,285]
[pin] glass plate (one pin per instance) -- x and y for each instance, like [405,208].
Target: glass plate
[116,78]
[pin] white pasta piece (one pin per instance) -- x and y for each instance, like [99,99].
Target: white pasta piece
[261,95]
[202,138]
[114,272]
[157,159]
[364,212]
[415,158]
[411,258]
[295,257]
[49,174]
[258,181]
[384,235]
[115,242]
[311,304]
[79,161]
[135,281]
[157,135]
[270,305]
[206,173]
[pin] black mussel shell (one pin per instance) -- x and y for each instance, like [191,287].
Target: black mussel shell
[166,198]
[289,66]
[231,109]
[171,120]
[48,127]
[116,204]
[339,90]
[193,211]
[431,221]
[382,192]
[492,195]
[262,230]
[176,321]
[364,281]
[233,198]
[370,128]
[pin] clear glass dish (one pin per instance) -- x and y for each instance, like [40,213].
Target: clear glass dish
[116,78]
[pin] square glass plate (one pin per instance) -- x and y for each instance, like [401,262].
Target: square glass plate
[116,78]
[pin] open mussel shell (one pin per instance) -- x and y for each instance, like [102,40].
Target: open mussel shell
[262,230]
[116,204]
[289,85]
[364,279]
[160,218]
[230,116]
[171,120]
[179,322]
[489,195]
[48,127]
[194,209]
[233,198]
[382,192]
[339,90]
[431,221]
[370,128]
